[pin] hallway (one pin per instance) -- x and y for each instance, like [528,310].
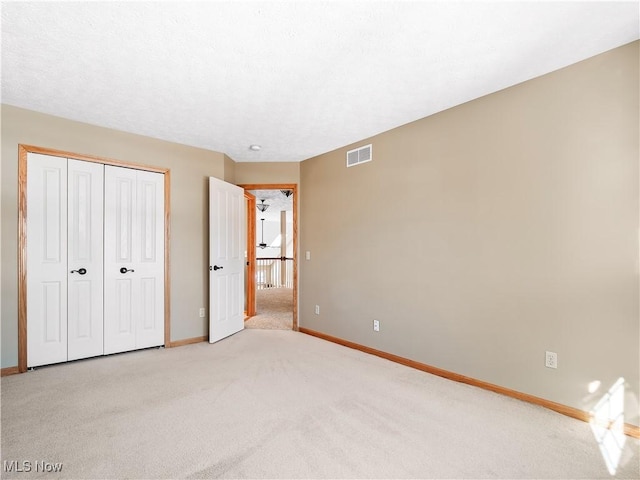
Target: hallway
[274,310]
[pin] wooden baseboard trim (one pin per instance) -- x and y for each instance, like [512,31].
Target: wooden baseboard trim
[9,371]
[630,430]
[188,341]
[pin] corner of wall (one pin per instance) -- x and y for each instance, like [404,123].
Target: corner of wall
[229,169]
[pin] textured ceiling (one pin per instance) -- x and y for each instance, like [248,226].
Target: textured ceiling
[277,202]
[298,78]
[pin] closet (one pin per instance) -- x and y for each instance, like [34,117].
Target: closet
[94,258]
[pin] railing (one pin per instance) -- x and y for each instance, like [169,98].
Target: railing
[274,272]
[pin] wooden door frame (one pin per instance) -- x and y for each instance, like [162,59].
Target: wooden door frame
[251,236]
[23,151]
[251,255]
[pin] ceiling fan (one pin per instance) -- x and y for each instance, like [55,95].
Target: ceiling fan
[262,244]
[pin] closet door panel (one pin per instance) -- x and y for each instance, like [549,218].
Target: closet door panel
[85,259]
[120,264]
[46,259]
[150,327]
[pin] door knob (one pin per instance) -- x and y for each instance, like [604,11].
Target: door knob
[216,267]
[81,271]
[125,270]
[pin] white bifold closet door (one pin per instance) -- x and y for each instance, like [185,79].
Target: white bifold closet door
[133,259]
[64,259]
[95,259]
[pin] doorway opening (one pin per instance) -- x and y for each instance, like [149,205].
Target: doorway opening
[272,256]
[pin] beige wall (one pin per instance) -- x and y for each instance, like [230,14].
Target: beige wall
[189,222]
[274,172]
[486,234]
[229,170]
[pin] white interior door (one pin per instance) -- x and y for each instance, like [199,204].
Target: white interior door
[85,259]
[226,259]
[46,259]
[134,259]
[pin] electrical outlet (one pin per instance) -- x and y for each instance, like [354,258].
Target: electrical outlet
[376,325]
[550,359]
[202,312]
[317,309]
[308,255]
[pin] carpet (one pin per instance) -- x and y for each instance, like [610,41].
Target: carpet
[274,309]
[281,404]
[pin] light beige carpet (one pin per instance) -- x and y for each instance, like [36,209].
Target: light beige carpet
[281,404]
[274,309]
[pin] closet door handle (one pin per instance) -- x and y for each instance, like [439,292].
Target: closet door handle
[125,270]
[81,271]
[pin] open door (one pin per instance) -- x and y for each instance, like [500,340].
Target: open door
[226,259]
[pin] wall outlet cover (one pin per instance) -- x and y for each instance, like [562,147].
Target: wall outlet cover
[550,359]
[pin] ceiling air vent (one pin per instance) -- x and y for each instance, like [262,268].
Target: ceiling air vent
[359,155]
